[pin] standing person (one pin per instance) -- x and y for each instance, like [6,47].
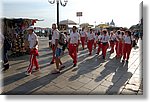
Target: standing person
[112,41]
[90,38]
[83,37]
[127,46]
[105,40]
[73,44]
[33,45]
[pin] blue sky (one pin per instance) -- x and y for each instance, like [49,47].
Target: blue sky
[123,12]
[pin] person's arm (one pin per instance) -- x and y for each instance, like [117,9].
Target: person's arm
[36,43]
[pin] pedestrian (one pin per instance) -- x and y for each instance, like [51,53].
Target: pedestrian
[33,45]
[118,48]
[99,43]
[96,40]
[90,43]
[73,44]
[105,41]
[112,41]
[60,42]
[127,46]
[83,36]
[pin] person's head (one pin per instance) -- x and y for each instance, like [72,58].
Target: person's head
[122,33]
[104,32]
[83,29]
[91,30]
[118,32]
[111,33]
[30,30]
[54,26]
[128,33]
[74,28]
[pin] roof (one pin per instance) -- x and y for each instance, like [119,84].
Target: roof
[67,22]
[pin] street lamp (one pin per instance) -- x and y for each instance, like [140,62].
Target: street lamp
[57,2]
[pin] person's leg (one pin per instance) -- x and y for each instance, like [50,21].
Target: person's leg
[124,52]
[29,70]
[53,52]
[71,51]
[105,50]
[98,50]
[6,63]
[75,55]
[117,49]
[128,51]
[36,63]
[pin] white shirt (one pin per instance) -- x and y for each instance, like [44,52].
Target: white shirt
[90,36]
[127,39]
[32,40]
[96,37]
[112,37]
[74,37]
[55,35]
[83,34]
[105,38]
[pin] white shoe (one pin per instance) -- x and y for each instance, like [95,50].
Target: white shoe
[28,74]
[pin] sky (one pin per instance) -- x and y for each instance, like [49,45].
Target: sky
[125,13]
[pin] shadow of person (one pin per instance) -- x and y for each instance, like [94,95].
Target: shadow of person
[110,67]
[119,79]
[86,66]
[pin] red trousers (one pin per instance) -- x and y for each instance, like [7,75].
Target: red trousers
[73,52]
[119,48]
[90,45]
[33,60]
[99,47]
[126,51]
[104,49]
[53,52]
[112,46]
[83,41]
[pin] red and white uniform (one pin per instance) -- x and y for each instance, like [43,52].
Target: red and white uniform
[95,41]
[99,44]
[90,38]
[55,35]
[33,52]
[112,42]
[127,47]
[83,35]
[73,44]
[119,45]
[104,40]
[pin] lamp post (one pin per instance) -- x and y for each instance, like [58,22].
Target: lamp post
[58,2]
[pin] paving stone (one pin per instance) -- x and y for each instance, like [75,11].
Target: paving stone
[114,90]
[82,91]
[66,91]
[75,85]
[100,90]
[132,87]
[91,85]
[84,80]
[128,92]
[107,83]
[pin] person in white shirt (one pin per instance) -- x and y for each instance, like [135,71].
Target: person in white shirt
[57,50]
[96,39]
[112,41]
[73,44]
[119,46]
[99,43]
[83,35]
[33,45]
[105,40]
[127,46]
[90,43]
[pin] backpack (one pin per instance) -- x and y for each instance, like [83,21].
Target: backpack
[61,40]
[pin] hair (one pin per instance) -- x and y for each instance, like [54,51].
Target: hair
[104,31]
[129,33]
[118,32]
[75,27]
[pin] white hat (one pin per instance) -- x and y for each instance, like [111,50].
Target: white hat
[30,28]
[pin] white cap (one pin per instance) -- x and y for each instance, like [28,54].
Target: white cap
[30,28]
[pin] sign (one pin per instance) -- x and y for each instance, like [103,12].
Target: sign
[79,14]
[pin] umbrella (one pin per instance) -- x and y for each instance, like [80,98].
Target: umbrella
[67,22]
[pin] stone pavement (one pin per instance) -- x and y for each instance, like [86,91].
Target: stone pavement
[92,75]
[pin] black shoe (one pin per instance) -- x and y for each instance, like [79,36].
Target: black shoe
[122,61]
[51,62]
[6,67]
[103,57]
[127,61]
[74,65]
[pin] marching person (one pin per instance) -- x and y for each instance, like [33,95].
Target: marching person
[33,45]
[119,46]
[105,45]
[73,44]
[99,43]
[96,40]
[90,38]
[83,37]
[127,46]
[112,41]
